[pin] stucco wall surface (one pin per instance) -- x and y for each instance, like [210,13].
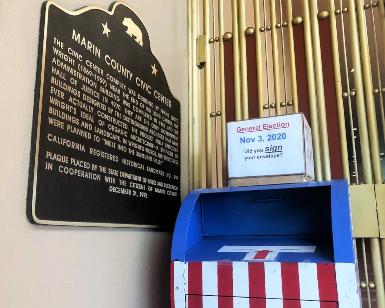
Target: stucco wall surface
[42,266]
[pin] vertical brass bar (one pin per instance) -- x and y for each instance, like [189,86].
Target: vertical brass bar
[378,71]
[274,45]
[283,53]
[201,142]
[383,251]
[366,271]
[214,80]
[360,101]
[381,8]
[349,97]
[381,12]
[243,58]
[222,91]
[293,71]
[340,103]
[267,57]
[190,100]
[377,270]
[196,110]
[237,87]
[326,173]
[207,93]
[368,86]
[312,91]
[258,58]
[375,242]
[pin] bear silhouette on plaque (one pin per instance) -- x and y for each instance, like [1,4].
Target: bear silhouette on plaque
[133,30]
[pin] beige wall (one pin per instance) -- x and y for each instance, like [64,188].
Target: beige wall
[44,266]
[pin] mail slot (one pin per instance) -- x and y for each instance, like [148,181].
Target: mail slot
[265,246]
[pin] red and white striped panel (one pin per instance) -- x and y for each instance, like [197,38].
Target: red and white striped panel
[271,280]
[197,301]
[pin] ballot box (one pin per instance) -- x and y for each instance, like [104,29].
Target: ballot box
[275,246]
[271,150]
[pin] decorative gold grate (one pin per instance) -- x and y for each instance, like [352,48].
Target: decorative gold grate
[326,59]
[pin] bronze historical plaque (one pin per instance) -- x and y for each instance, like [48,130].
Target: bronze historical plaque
[105,145]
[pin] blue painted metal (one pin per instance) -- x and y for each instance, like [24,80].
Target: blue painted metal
[206,250]
[341,221]
[188,228]
[292,211]
[305,214]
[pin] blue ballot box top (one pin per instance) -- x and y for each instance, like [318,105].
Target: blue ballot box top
[306,222]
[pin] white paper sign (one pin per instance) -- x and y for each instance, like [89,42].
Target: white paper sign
[266,146]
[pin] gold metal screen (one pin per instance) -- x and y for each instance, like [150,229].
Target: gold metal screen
[357,43]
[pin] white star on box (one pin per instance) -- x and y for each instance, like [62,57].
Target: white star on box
[105,29]
[154,70]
